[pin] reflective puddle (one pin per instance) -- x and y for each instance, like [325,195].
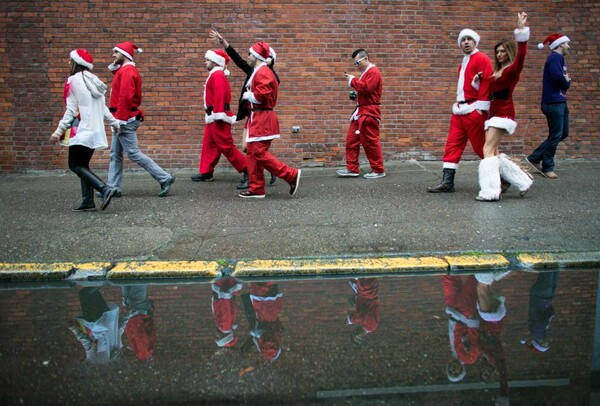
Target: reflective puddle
[469,339]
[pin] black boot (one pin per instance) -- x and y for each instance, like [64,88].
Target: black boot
[447,183]
[94,181]
[87,194]
[244,181]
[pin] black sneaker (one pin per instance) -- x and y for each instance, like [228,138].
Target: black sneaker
[116,194]
[203,177]
[85,207]
[165,187]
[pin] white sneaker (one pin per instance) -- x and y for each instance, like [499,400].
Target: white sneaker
[374,175]
[345,173]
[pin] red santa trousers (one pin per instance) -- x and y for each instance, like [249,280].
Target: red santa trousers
[463,128]
[218,140]
[259,158]
[368,136]
[367,304]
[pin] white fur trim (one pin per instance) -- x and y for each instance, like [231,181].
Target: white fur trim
[559,41]
[503,123]
[464,109]
[487,278]
[250,97]
[458,316]
[522,34]
[468,33]
[226,294]
[79,60]
[214,57]
[538,346]
[263,138]
[225,340]
[497,315]
[489,178]
[450,165]
[123,52]
[514,174]
[219,117]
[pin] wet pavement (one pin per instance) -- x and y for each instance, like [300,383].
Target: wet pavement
[302,341]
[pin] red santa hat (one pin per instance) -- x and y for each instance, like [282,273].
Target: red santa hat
[127,48]
[218,56]
[82,57]
[554,40]
[261,51]
[468,33]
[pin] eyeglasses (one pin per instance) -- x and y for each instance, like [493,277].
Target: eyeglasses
[360,60]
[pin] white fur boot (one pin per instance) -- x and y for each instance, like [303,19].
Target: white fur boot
[489,179]
[515,175]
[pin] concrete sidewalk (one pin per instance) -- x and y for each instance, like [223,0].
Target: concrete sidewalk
[329,219]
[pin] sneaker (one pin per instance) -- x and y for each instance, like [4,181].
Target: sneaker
[116,194]
[345,173]
[551,175]
[294,185]
[202,177]
[537,167]
[165,187]
[373,175]
[85,207]
[249,195]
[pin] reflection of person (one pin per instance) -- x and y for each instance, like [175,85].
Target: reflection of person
[263,126]
[508,64]
[224,308]
[125,100]
[364,123]
[84,97]
[469,112]
[366,308]
[460,299]
[140,330]
[99,327]
[556,82]
[267,331]
[541,311]
[217,138]
[244,106]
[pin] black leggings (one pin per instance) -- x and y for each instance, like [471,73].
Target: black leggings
[79,162]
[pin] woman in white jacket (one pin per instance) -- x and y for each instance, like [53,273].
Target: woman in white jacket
[84,97]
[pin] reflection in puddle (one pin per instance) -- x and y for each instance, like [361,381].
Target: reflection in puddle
[475,339]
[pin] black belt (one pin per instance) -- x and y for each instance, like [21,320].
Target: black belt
[500,95]
[466,101]
[261,109]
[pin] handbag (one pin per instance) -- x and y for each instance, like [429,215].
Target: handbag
[70,132]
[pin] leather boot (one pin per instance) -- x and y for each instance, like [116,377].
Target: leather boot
[446,185]
[94,181]
[244,181]
[87,197]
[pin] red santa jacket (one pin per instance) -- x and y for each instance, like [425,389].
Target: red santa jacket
[126,92]
[264,124]
[367,304]
[217,98]
[369,88]
[470,97]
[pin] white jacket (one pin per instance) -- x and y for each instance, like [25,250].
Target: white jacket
[85,97]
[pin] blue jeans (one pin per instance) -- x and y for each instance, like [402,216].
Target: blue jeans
[557,115]
[126,140]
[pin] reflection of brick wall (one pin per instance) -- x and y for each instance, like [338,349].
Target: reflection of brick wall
[414,44]
[410,346]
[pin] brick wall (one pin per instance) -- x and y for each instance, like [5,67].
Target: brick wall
[412,42]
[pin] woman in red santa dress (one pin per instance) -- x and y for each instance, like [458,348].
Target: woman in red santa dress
[508,64]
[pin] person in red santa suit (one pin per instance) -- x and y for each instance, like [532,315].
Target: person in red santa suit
[125,100]
[366,308]
[364,123]
[469,112]
[219,118]
[508,65]
[267,330]
[263,126]
[225,310]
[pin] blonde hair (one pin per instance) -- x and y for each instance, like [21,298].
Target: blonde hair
[511,50]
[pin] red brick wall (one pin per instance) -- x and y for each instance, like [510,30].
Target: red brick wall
[412,42]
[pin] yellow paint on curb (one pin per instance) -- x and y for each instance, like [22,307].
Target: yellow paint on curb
[559,259]
[159,269]
[476,262]
[31,270]
[338,266]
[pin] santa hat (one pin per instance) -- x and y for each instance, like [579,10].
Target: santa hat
[554,40]
[468,33]
[82,57]
[218,56]
[262,51]
[127,48]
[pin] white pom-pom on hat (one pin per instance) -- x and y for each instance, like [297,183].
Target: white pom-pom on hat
[540,46]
